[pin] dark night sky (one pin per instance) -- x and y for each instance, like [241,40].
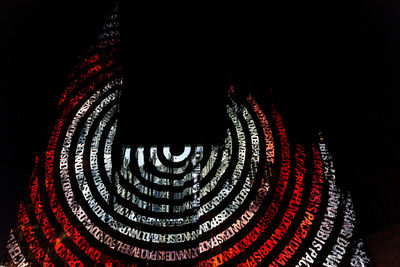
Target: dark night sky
[333,65]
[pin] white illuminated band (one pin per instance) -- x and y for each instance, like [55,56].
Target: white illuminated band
[15,252]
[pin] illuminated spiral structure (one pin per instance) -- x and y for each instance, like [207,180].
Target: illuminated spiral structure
[252,200]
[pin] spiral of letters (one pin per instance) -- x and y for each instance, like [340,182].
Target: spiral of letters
[251,200]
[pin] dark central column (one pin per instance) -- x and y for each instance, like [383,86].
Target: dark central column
[175,77]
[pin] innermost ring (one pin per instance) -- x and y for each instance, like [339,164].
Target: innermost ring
[176,150]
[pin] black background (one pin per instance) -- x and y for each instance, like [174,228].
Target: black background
[332,65]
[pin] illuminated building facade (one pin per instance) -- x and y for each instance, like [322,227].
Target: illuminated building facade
[252,200]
